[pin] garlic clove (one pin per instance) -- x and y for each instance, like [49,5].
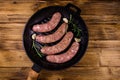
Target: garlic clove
[33,36]
[77,39]
[65,20]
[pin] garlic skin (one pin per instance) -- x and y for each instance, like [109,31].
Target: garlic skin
[65,20]
[33,36]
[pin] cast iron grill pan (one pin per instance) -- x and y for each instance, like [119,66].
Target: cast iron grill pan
[44,15]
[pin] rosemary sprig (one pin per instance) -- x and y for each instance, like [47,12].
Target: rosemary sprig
[34,46]
[75,27]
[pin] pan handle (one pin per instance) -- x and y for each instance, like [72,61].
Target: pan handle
[73,8]
[34,72]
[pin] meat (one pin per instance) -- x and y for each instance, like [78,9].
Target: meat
[53,37]
[63,44]
[50,25]
[64,57]
[51,52]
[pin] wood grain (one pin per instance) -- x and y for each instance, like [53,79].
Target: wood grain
[13,73]
[93,73]
[14,58]
[104,44]
[115,72]
[110,57]
[78,73]
[101,60]
[21,59]
[91,58]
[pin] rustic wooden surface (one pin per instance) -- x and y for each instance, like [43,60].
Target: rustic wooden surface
[102,59]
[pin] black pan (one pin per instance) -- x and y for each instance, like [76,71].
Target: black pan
[40,17]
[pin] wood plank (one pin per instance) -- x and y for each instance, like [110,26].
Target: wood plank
[92,73]
[11,8]
[30,1]
[78,74]
[115,72]
[14,58]
[89,59]
[81,73]
[99,8]
[11,36]
[104,19]
[115,44]
[14,18]
[104,32]
[95,8]
[13,73]
[11,32]
[13,1]
[110,57]
[11,45]
[26,8]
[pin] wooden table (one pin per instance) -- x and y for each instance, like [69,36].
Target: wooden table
[102,59]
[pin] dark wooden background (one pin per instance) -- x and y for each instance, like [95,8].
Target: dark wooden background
[102,59]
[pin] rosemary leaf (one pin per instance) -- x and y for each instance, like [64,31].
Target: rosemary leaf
[33,46]
[75,27]
[78,33]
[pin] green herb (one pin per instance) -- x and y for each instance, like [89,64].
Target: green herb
[75,27]
[34,46]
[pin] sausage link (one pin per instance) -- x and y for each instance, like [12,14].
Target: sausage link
[63,44]
[64,57]
[53,37]
[50,25]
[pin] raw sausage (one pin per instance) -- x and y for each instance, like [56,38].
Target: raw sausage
[63,44]
[64,57]
[50,25]
[53,37]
